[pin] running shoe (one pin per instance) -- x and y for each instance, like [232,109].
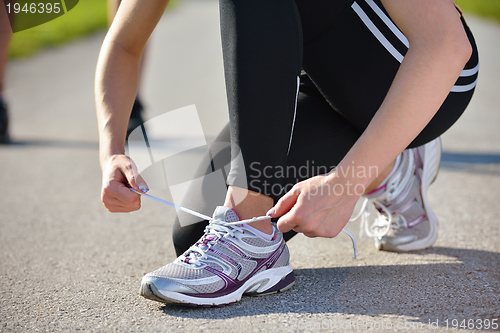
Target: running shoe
[398,214]
[4,123]
[228,261]
[135,119]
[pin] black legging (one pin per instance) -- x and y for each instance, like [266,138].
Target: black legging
[350,51]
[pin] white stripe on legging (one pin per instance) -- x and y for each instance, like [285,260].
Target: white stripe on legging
[294,114]
[381,38]
[404,40]
[392,50]
[388,22]
[465,88]
[470,72]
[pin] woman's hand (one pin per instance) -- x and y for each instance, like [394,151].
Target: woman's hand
[318,207]
[119,173]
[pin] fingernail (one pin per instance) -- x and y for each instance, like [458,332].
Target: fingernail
[270,212]
[143,188]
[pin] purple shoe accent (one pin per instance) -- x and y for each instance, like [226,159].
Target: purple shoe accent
[376,190]
[222,255]
[417,221]
[265,269]
[234,248]
[239,218]
[405,207]
[232,285]
[285,282]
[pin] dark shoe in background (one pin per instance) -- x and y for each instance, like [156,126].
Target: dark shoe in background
[135,116]
[4,124]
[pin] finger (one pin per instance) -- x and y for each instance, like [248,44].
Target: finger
[134,178]
[289,221]
[115,205]
[120,209]
[285,204]
[116,193]
[285,226]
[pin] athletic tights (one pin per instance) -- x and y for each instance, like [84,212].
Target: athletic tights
[304,78]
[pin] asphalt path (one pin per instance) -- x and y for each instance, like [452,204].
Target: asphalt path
[66,264]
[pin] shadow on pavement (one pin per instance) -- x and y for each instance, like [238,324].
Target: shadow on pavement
[471,162]
[54,143]
[463,287]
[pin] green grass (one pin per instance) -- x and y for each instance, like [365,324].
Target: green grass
[485,8]
[88,16]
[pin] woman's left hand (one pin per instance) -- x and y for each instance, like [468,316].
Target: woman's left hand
[318,207]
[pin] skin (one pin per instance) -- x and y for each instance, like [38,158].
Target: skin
[113,6]
[116,82]
[438,51]
[5,34]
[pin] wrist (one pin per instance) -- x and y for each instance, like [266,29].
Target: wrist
[355,179]
[108,153]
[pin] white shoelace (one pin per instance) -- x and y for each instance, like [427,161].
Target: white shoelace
[217,226]
[381,225]
[384,218]
[215,230]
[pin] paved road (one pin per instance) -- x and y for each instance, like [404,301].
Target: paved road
[67,264]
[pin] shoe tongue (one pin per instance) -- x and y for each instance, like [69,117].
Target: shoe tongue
[225,214]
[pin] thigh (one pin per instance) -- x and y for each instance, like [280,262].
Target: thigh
[261,44]
[355,60]
[321,139]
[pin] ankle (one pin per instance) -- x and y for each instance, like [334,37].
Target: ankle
[264,226]
[248,204]
[384,176]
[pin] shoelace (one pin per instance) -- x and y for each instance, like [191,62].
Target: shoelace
[381,225]
[215,230]
[222,226]
[384,218]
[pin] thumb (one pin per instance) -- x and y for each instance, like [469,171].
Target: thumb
[134,178]
[284,204]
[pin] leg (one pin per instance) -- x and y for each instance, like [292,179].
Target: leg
[261,39]
[307,158]
[201,198]
[356,82]
[5,34]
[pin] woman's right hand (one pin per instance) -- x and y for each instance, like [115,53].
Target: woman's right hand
[119,173]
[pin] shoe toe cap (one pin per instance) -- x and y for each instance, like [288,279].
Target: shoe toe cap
[392,243]
[165,284]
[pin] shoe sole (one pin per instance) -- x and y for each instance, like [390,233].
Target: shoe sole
[268,282]
[431,162]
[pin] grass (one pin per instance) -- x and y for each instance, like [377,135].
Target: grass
[86,17]
[484,8]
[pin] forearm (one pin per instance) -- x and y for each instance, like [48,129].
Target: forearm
[421,85]
[115,89]
[117,73]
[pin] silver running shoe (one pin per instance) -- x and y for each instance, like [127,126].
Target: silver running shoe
[397,214]
[227,262]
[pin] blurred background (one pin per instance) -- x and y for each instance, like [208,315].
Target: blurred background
[92,16]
